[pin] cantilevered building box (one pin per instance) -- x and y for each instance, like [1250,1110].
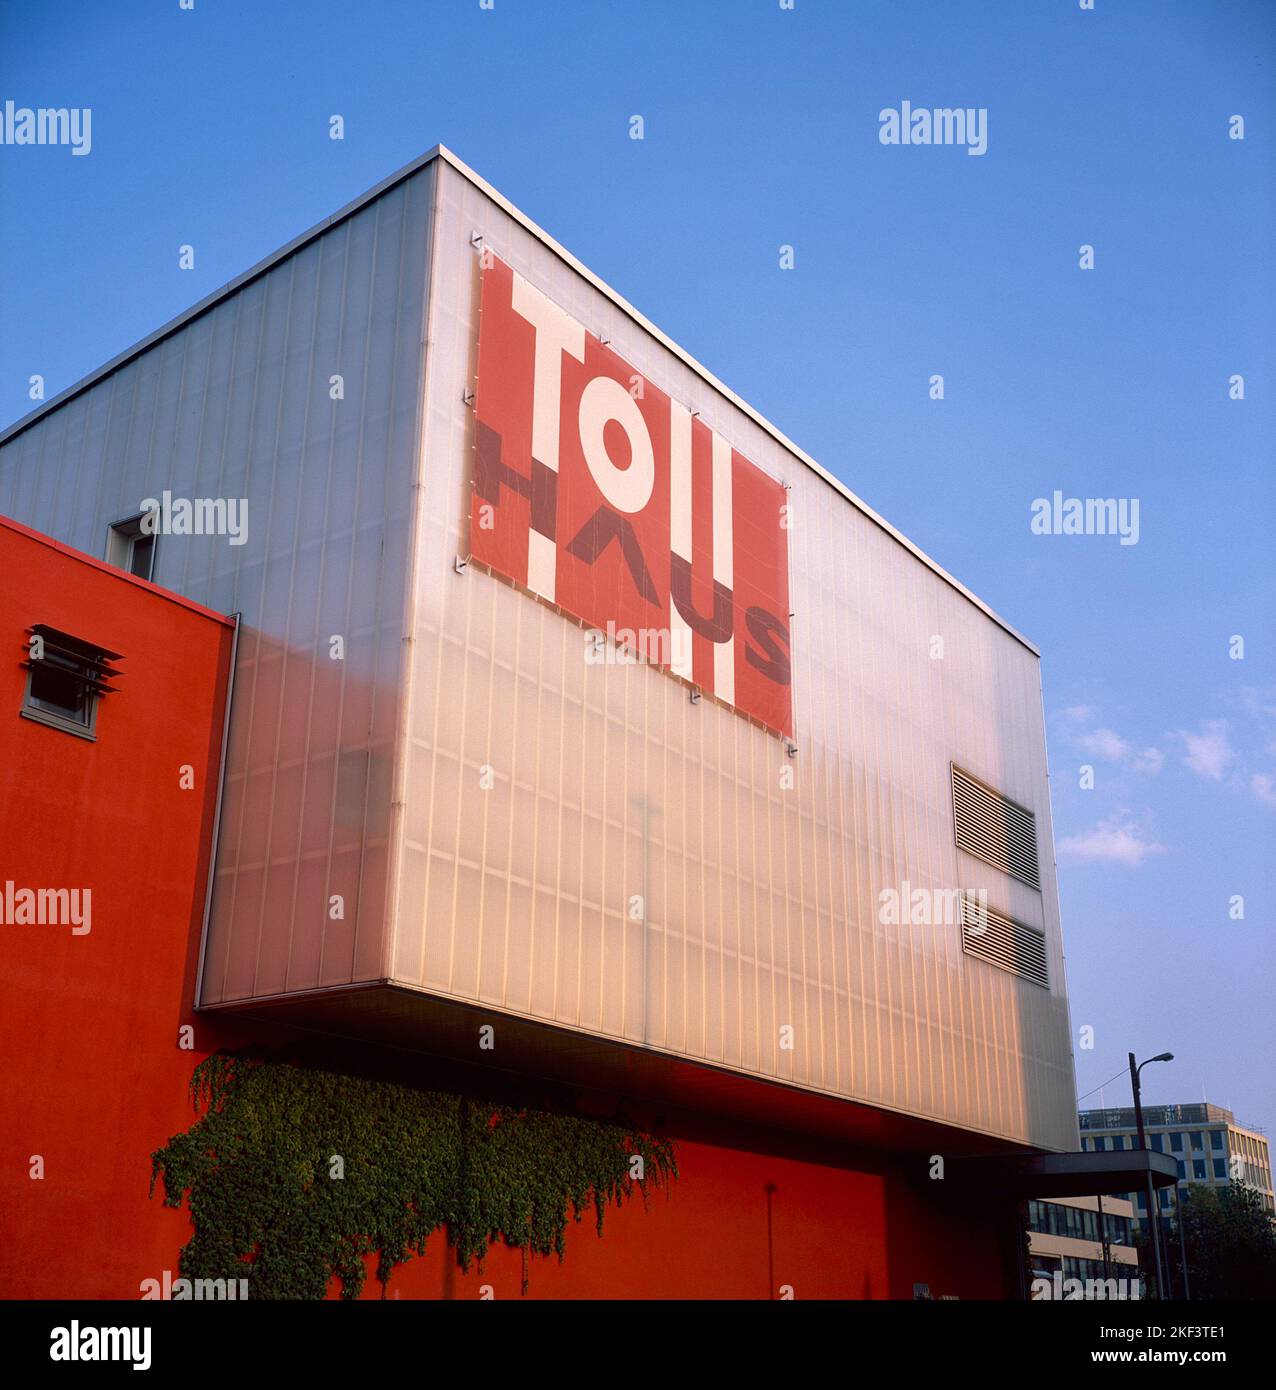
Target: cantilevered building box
[477,481]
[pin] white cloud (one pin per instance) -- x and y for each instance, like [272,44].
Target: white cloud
[1077,712]
[1259,699]
[1116,840]
[1208,751]
[1103,743]
[1264,787]
[1112,748]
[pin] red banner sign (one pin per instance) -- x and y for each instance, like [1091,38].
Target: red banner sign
[597,491]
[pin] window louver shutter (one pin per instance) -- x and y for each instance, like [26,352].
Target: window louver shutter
[995,829]
[1003,942]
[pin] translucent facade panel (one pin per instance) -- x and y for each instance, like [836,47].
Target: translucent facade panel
[544,796]
[238,403]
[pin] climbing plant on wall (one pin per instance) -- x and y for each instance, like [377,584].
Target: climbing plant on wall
[298,1172]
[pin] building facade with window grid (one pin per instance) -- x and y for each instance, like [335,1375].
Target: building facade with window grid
[1205,1140]
[1065,1237]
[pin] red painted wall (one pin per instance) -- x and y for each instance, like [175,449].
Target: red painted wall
[90,1070]
[717,1232]
[92,1078]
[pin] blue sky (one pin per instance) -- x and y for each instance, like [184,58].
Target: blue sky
[1106,127]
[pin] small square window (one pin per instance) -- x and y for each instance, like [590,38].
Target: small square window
[130,545]
[66,677]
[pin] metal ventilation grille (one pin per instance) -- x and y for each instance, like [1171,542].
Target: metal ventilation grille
[76,662]
[995,829]
[1003,942]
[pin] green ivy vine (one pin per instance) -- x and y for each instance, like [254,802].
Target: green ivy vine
[260,1164]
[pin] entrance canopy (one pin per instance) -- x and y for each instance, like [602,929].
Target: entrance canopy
[1066,1174]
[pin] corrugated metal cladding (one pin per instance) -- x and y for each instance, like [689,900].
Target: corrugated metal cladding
[236,404]
[764,945]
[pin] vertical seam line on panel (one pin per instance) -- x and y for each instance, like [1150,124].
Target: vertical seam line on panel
[412,608]
[846,838]
[97,493]
[622,734]
[351,570]
[812,986]
[461,712]
[95,507]
[237,604]
[233,306]
[69,518]
[584,818]
[182,353]
[77,471]
[951,981]
[701,916]
[600,1006]
[261,609]
[396,330]
[126,451]
[465,646]
[876,863]
[145,461]
[496,598]
[543,618]
[556,966]
[722,737]
[63,456]
[431,819]
[492,598]
[852,873]
[350,567]
[737,872]
[829,836]
[923,957]
[298,507]
[656,953]
[213,319]
[47,438]
[233,309]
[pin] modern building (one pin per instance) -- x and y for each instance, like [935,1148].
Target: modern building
[585,735]
[1204,1141]
[1083,1239]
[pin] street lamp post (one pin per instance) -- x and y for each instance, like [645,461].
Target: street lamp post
[1153,1214]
